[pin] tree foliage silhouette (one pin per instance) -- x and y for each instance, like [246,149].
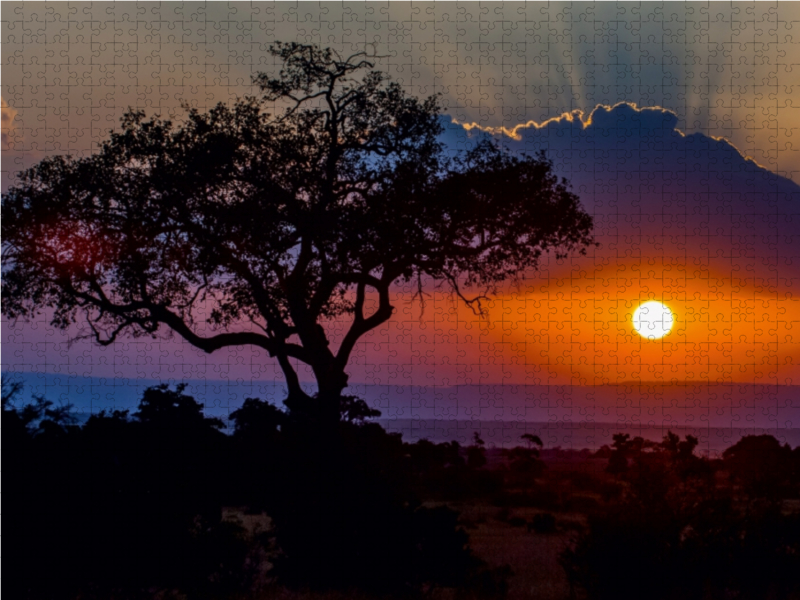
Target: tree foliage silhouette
[526,460]
[761,465]
[476,453]
[122,504]
[618,461]
[241,227]
[344,511]
[675,533]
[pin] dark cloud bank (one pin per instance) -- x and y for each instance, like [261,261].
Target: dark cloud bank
[654,191]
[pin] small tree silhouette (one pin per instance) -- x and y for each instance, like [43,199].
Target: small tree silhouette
[525,462]
[531,439]
[618,461]
[476,453]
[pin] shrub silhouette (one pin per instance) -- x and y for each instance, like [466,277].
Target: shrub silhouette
[761,465]
[675,534]
[343,509]
[543,523]
[122,505]
[476,453]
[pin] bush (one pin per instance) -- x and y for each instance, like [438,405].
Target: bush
[610,490]
[230,560]
[120,505]
[582,504]
[543,523]
[345,516]
[486,583]
[584,482]
[130,506]
[689,545]
[537,497]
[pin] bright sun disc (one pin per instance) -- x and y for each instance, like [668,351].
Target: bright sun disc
[653,320]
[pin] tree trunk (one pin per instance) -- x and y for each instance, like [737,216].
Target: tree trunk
[323,407]
[331,381]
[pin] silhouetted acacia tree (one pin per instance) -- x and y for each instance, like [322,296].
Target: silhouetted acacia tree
[526,460]
[531,439]
[240,227]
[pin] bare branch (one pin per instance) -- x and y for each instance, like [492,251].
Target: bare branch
[475,304]
[362,325]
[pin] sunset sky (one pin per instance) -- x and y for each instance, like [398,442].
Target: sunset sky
[678,126]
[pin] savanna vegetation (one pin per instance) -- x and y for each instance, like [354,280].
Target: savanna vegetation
[162,503]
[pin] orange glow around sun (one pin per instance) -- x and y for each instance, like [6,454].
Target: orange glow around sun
[584,329]
[578,329]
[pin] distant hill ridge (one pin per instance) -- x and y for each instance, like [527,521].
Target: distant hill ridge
[562,415]
[677,404]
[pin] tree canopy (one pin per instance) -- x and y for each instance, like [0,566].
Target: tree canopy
[242,226]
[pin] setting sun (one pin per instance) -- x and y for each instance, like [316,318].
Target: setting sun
[653,320]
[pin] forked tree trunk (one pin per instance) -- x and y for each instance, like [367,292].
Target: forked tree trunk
[322,407]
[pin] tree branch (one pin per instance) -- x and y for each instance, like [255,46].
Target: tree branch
[362,325]
[161,314]
[475,304]
[292,380]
